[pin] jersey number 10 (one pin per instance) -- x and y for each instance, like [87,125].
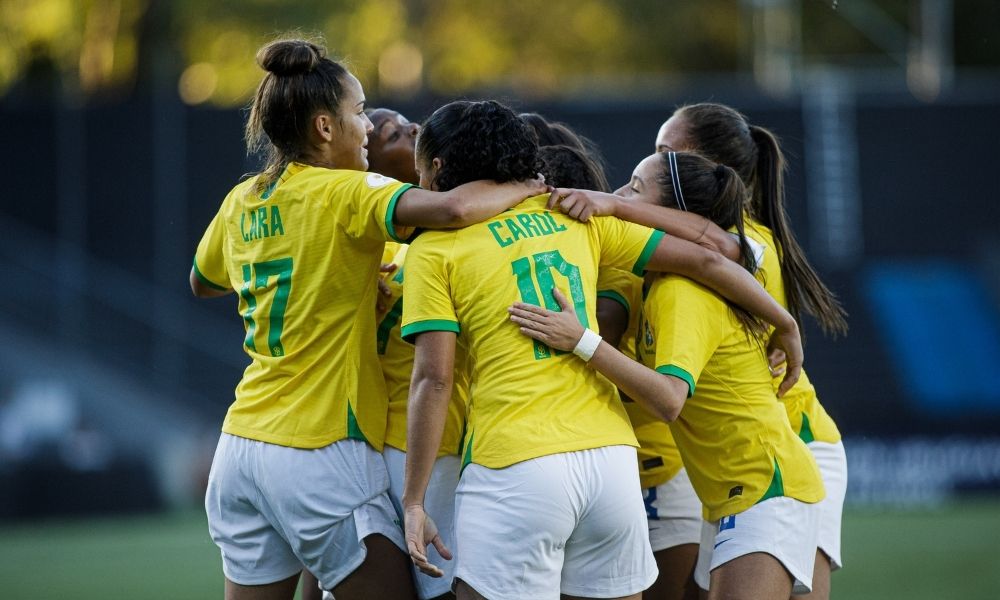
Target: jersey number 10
[545,263]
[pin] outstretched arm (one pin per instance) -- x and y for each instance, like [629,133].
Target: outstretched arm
[464,205]
[430,392]
[583,204]
[662,395]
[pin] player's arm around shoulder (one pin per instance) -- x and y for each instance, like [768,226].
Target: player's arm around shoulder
[663,396]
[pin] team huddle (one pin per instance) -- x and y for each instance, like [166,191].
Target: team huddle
[477,372]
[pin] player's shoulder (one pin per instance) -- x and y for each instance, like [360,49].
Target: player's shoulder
[684,291]
[433,242]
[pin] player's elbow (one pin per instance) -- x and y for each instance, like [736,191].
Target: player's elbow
[200,290]
[197,287]
[456,212]
[432,382]
[710,261]
[666,411]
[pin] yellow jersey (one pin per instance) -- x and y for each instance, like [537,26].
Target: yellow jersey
[806,415]
[732,433]
[528,400]
[659,458]
[303,257]
[396,357]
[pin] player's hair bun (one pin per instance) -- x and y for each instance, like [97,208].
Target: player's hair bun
[290,57]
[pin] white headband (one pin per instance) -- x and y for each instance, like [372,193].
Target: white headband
[675,179]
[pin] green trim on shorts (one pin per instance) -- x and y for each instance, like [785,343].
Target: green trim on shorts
[777,487]
[806,432]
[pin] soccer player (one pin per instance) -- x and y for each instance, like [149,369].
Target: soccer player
[548,502]
[300,244]
[673,510]
[392,149]
[756,479]
[672,506]
[725,136]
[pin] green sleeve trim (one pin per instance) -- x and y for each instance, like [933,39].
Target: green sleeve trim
[205,280]
[647,252]
[391,211]
[410,331]
[613,295]
[680,374]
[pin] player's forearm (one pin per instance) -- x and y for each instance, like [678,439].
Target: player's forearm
[467,204]
[477,201]
[735,284]
[426,416]
[655,392]
[678,223]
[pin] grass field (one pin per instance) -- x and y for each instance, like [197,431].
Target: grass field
[952,552]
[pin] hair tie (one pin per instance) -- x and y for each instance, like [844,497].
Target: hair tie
[675,179]
[720,172]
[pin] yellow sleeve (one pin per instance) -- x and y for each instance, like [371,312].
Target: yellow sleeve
[626,245]
[209,259]
[427,303]
[689,322]
[374,199]
[390,252]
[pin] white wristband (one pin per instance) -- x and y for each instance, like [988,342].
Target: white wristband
[587,345]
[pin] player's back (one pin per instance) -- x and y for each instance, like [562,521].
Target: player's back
[529,400]
[303,258]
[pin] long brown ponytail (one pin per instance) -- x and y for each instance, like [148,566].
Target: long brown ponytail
[804,290]
[725,136]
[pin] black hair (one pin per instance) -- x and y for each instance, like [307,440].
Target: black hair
[715,192]
[725,136]
[571,167]
[556,133]
[477,140]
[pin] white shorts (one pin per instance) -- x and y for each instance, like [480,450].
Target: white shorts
[673,512]
[832,462]
[274,509]
[783,527]
[439,503]
[570,523]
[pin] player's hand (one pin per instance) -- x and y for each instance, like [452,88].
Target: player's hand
[776,361]
[582,204]
[559,330]
[420,532]
[536,186]
[788,339]
[384,296]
